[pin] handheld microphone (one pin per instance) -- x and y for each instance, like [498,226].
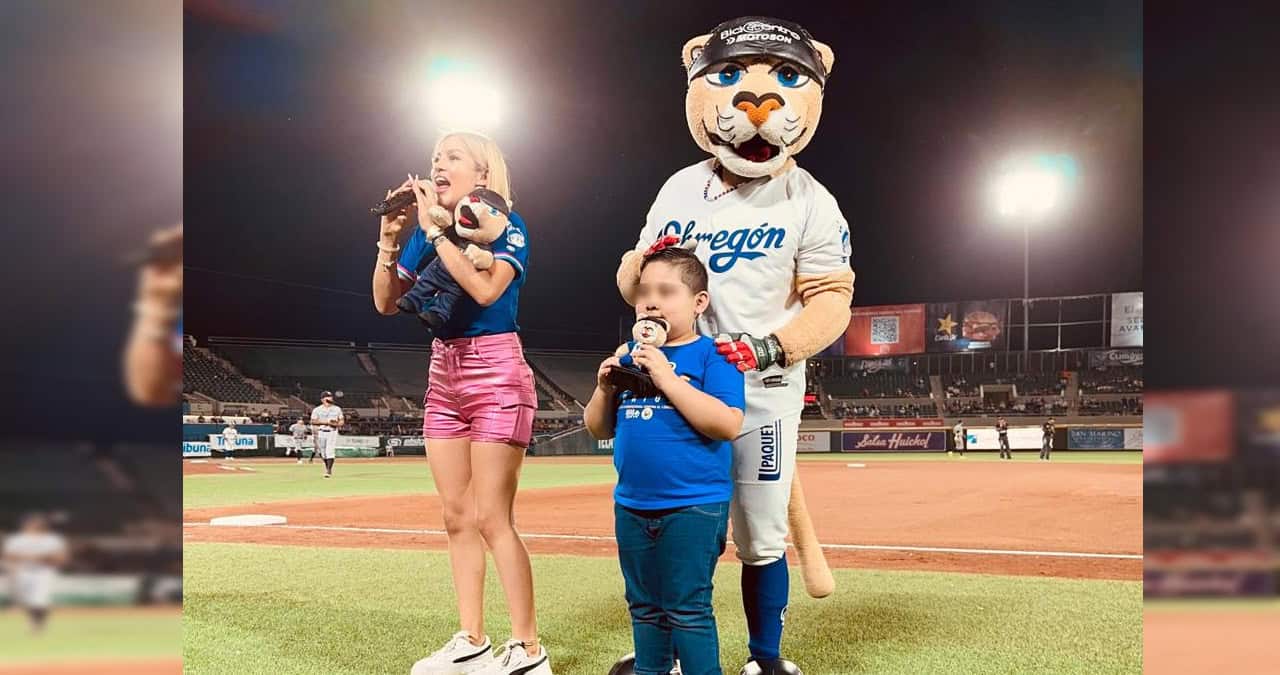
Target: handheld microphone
[395,203]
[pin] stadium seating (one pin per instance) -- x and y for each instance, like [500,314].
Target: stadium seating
[404,371]
[848,410]
[1027,384]
[575,373]
[1125,406]
[210,377]
[1116,380]
[1027,406]
[304,371]
[882,384]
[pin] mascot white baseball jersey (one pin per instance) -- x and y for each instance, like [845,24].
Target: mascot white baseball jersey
[754,241]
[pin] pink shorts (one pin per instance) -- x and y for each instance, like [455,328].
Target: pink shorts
[480,387]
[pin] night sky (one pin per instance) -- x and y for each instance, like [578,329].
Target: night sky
[296,123]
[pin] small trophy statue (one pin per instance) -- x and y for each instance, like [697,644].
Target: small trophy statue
[630,376]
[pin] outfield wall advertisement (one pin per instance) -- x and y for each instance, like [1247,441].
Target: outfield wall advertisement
[1084,438]
[196,449]
[894,441]
[814,441]
[219,442]
[1020,438]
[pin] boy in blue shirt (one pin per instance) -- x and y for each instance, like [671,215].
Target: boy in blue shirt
[673,453]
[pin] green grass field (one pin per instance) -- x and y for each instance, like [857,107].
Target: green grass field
[292,610]
[285,611]
[283,481]
[77,635]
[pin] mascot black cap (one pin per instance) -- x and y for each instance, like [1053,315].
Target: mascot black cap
[760,36]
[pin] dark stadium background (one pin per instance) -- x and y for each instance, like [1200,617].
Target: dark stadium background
[294,128]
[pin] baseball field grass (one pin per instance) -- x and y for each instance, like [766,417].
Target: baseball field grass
[90,634]
[336,609]
[285,481]
[288,610]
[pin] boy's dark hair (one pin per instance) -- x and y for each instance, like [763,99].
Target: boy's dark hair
[692,272]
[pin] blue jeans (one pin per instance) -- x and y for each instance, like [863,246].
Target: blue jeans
[668,558]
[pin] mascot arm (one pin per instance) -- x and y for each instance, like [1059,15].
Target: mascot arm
[629,275]
[825,316]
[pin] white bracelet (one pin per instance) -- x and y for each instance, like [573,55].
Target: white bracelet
[388,250]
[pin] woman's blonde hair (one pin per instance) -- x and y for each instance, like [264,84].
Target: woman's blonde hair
[488,159]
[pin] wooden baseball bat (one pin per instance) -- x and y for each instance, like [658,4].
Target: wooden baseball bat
[818,581]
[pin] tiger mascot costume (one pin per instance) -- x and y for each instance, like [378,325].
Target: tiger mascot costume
[777,251]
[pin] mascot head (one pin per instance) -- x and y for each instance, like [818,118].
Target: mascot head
[755,92]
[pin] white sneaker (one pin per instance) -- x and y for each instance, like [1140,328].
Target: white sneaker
[457,657]
[516,661]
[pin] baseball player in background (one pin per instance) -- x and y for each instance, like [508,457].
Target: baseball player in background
[1002,428]
[229,436]
[961,436]
[32,558]
[1046,439]
[299,431]
[327,419]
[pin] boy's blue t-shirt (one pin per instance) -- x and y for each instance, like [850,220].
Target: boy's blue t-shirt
[662,461]
[469,318]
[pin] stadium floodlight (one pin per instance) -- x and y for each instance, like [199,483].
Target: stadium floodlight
[1026,190]
[1032,188]
[456,94]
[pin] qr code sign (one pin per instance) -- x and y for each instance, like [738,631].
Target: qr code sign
[884,330]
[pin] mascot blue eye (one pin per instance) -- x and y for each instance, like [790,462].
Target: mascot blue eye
[726,76]
[790,77]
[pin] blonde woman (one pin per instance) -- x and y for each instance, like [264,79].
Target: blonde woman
[479,405]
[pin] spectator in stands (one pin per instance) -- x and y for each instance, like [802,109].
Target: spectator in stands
[153,353]
[475,445]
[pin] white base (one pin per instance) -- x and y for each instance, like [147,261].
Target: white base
[249,520]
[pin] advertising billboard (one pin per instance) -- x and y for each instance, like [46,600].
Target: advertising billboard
[885,329]
[1126,319]
[968,326]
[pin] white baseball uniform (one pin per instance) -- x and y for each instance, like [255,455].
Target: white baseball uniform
[33,580]
[229,436]
[299,431]
[754,241]
[326,436]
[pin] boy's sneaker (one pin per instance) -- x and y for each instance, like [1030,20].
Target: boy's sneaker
[457,657]
[516,661]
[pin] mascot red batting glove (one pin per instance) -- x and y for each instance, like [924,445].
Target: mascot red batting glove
[748,352]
